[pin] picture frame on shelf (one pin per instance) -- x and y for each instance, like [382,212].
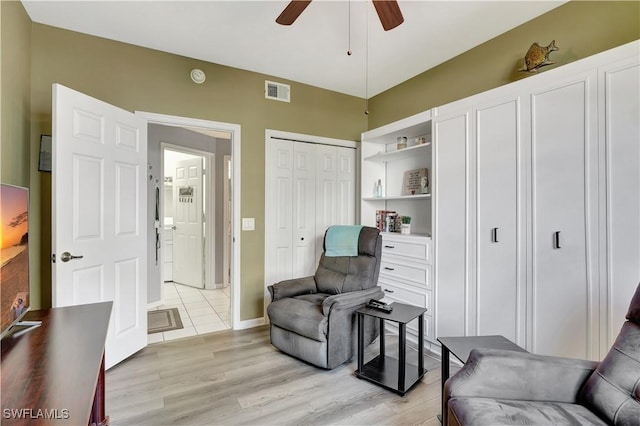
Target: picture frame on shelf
[413,182]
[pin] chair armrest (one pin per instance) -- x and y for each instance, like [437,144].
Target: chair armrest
[350,300]
[291,288]
[503,374]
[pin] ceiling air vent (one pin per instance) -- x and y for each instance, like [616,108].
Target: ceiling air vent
[277,91]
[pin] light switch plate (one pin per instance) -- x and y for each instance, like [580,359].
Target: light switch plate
[248,224]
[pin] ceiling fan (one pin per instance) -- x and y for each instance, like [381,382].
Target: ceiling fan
[388,12]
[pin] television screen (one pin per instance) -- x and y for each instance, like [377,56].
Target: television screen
[14,253]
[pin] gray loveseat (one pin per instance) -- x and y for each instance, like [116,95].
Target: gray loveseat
[498,387]
[312,318]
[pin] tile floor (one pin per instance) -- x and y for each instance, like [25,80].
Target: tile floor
[201,311]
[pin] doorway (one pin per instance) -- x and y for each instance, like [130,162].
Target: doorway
[199,137]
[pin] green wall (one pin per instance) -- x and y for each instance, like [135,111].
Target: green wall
[15,88]
[580,28]
[15,109]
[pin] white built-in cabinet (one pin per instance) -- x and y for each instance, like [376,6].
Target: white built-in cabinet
[308,187]
[537,207]
[406,272]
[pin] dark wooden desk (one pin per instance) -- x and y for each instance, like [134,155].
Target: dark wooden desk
[398,376]
[461,346]
[55,372]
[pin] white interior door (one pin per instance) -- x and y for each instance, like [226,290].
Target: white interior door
[188,223]
[304,210]
[99,213]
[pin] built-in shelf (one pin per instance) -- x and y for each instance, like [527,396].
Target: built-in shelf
[398,197]
[383,157]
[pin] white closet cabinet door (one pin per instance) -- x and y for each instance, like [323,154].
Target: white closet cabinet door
[497,281]
[335,189]
[621,83]
[346,189]
[279,190]
[326,190]
[304,209]
[563,134]
[451,140]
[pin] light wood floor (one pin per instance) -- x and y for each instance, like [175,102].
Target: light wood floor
[237,377]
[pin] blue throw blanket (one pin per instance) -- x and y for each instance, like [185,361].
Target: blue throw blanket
[342,240]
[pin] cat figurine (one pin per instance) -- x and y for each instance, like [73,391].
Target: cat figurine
[538,56]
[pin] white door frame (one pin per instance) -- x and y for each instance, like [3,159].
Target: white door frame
[210,213]
[234,130]
[268,216]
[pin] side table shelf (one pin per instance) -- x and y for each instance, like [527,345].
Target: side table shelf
[396,375]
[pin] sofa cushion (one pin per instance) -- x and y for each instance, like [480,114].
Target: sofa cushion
[487,411]
[301,315]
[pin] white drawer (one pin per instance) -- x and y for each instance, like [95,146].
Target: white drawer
[414,274]
[396,293]
[417,248]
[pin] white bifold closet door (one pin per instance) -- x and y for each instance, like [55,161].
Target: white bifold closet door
[309,188]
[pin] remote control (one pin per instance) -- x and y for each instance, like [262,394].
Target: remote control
[381,306]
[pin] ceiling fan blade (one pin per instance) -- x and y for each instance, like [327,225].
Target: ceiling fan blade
[389,13]
[292,11]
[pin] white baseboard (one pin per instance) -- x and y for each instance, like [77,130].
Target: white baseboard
[242,325]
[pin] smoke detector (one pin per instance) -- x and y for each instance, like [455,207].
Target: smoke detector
[198,76]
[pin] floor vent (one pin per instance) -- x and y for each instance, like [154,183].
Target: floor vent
[277,91]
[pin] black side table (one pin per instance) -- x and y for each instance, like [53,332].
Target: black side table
[395,375]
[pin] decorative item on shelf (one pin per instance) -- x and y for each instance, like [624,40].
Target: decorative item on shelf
[412,181]
[377,189]
[424,184]
[401,142]
[538,56]
[382,222]
[406,225]
[421,140]
[391,222]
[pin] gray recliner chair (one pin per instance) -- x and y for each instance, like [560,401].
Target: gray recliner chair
[312,318]
[498,387]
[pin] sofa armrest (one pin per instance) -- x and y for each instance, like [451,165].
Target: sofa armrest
[292,288]
[350,300]
[503,374]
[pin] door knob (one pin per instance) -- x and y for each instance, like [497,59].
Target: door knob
[66,256]
[173,227]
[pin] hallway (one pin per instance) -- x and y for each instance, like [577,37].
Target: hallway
[201,311]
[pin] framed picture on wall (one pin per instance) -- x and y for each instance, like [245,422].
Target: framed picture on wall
[44,161]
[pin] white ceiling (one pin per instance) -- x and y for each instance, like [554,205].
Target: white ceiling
[313,50]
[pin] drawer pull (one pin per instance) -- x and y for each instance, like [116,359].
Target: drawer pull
[389,269]
[389,246]
[388,291]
